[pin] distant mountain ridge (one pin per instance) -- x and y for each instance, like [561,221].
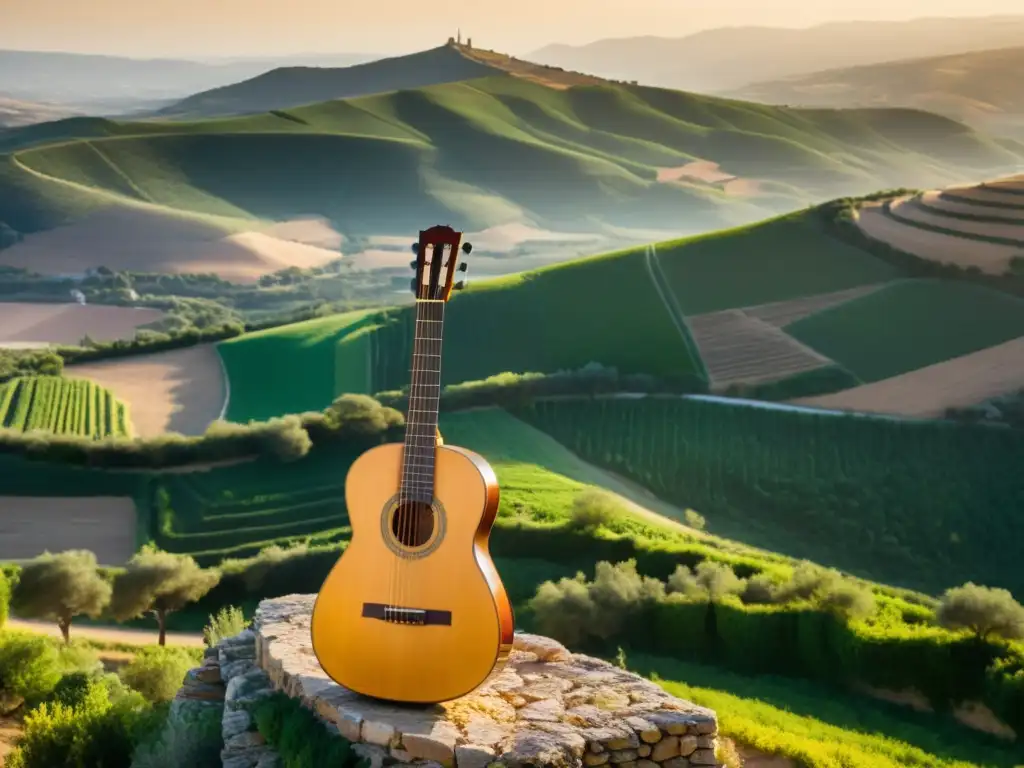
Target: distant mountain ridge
[981,88]
[116,82]
[288,87]
[725,59]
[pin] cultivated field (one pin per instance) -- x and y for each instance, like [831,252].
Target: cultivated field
[909,210]
[782,313]
[938,201]
[62,406]
[948,249]
[30,526]
[929,391]
[179,391]
[917,504]
[911,324]
[25,323]
[737,348]
[151,239]
[985,195]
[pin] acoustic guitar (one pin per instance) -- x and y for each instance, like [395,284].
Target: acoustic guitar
[414,610]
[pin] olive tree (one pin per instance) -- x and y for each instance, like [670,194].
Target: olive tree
[60,587]
[159,583]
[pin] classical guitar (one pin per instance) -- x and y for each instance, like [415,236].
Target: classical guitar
[414,610]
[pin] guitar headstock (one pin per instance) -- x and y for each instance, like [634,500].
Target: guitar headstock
[437,259]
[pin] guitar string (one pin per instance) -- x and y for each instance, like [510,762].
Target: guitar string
[405,524]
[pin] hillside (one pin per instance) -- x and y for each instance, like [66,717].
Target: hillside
[618,161]
[803,312]
[287,87]
[719,60]
[980,88]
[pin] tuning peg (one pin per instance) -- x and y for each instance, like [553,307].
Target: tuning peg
[463,266]
[461,285]
[415,247]
[412,285]
[467,248]
[413,263]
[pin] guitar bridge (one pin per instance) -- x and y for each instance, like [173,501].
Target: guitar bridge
[395,614]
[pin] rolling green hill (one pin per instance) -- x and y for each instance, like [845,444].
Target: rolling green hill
[605,309]
[980,88]
[481,153]
[286,87]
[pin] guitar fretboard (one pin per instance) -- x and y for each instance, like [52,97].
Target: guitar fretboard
[424,393]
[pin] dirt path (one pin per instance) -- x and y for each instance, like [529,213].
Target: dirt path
[127,635]
[179,391]
[671,304]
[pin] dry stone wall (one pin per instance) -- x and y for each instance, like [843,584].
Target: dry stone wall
[548,707]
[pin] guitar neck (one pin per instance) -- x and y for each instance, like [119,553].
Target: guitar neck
[424,394]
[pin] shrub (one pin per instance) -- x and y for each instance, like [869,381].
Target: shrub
[574,610]
[157,673]
[759,590]
[710,581]
[189,737]
[228,622]
[97,731]
[984,611]
[299,737]
[694,519]
[5,598]
[847,601]
[29,667]
[591,509]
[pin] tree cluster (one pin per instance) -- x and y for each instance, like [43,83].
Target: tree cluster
[61,587]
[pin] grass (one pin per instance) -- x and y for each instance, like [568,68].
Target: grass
[62,406]
[825,729]
[302,372]
[910,325]
[784,258]
[470,153]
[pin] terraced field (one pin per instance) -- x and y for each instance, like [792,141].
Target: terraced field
[62,406]
[236,511]
[979,226]
[910,211]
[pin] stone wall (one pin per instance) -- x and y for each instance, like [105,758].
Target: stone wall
[548,707]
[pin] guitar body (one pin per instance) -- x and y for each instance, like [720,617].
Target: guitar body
[416,616]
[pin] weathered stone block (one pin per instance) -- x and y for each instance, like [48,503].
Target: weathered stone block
[548,708]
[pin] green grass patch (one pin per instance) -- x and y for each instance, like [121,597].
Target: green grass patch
[910,325]
[821,728]
[290,369]
[777,260]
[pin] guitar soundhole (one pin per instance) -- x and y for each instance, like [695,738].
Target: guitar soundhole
[413,523]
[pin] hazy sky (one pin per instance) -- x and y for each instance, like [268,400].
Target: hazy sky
[253,27]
